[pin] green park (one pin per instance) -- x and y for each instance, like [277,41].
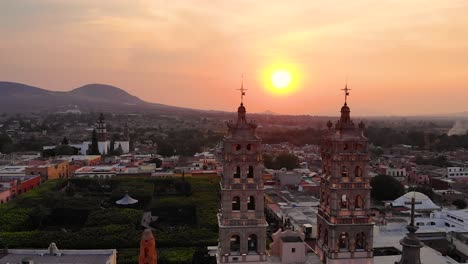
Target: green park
[81,213]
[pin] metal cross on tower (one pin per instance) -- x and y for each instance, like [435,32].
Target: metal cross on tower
[413,205]
[346,90]
[242,90]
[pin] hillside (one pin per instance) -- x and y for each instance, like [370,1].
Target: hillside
[21,98]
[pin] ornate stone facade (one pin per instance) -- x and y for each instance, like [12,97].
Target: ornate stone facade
[242,225]
[344,228]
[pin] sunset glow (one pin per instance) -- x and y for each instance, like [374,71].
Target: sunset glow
[171,52]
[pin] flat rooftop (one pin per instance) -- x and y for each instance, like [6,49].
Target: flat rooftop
[64,256]
[291,239]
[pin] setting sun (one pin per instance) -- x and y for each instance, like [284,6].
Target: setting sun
[281,79]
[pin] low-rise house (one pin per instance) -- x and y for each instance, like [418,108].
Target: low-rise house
[13,185]
[53,255]
[48,169]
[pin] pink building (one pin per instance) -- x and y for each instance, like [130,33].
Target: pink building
[12,186]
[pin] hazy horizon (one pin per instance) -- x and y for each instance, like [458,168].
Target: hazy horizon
[400,58]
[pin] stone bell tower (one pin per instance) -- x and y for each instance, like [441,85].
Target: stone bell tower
[242,225]
[101,128]
[344,227]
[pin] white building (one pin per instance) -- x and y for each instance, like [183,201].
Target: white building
[12,170]
[53,255]
[452,220]
[104,145]
[396,172]
[457,172]
[101,172]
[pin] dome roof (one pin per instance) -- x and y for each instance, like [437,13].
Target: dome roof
[345,108]
[422,201]
[419,197]
[241,108]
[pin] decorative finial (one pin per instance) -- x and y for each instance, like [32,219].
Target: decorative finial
[412,227]
[346,90]
[242,90]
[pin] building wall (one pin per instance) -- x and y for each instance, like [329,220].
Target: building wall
[55,170]
[125,146]
[5,196]
[83,147]
[454,172]
[99,175]
[13,186]
[396,172]
[287,254]
[29,184]
[103,147]
[440,184]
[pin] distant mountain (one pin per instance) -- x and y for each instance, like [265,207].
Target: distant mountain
[268,112]
[99,91]
[21,98]
[462,114]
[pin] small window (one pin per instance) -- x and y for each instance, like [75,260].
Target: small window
[238,147]
[344,201]
[236,203]
[293,250]
[344,172]
[251,203]
[250,173]
[249,147]
[237,174]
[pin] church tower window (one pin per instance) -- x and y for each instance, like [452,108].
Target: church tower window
[251,203]
[359,203]
[344,172]
[235,243]
[358,172]
[344,202]
[250,173]
[236,203]
[343,241]
[238,147]
[237,174]
[360,240]
[252,243]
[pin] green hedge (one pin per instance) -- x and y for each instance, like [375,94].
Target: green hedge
[14,219]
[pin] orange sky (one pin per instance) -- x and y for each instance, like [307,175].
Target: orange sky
[402,57]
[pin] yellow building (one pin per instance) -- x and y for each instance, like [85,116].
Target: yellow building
[49,169]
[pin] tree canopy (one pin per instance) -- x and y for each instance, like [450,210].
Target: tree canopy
[386,187]
[283,160]
[94,150]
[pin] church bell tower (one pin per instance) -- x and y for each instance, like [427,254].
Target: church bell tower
[344,227]
[242,225]
[101,129]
